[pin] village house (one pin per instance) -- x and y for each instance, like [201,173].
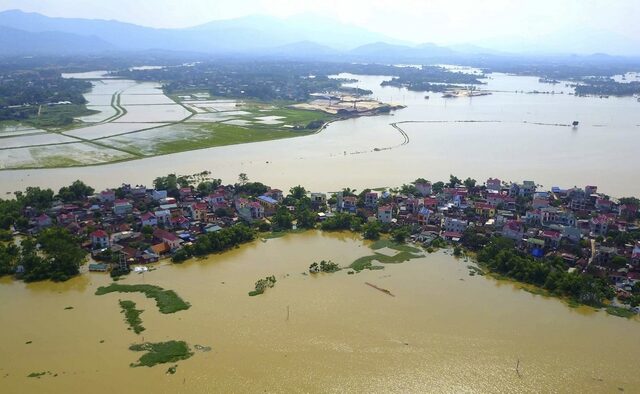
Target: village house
[240,203]
[122,207]
[179,221]
[553,215]
[502,200]
[628,211]
[185,192]
[158,195]
[551,238]
[99,239]
[43,221]
[172,240]
[107,196]
[599,225]
[603,205]
[318,200]
[385,213]
[349,204]
[540,202]
[454,225]
[494,184]
[579,200]
[252,211]
[423,216]
[485,210]
[276,194]
[163,217]
[199,211]
[635,254]
[269,204]
[371,199]
[215,199]
[66,218]
[148,219]
[514,230]
[431,203]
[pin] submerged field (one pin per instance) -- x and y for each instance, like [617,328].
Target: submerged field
[125,120]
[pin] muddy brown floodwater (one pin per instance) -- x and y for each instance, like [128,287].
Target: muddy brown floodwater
[444,331]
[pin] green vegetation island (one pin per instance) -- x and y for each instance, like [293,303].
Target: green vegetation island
[575,243]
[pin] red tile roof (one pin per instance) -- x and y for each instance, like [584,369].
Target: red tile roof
[99,234]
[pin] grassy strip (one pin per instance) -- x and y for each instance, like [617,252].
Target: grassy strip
[132,315]
[161,353]
[166,300]
[366,262]
[220,134]
[620,312]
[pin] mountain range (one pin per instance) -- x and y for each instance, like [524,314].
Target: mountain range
[302,37]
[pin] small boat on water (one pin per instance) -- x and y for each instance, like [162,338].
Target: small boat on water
[426,97]
[575,123]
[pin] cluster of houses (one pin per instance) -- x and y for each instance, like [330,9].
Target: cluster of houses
[144,225]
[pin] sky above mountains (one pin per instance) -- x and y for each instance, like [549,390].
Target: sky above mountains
[497,24]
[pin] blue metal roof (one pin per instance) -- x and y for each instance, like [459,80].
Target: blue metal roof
[268,199]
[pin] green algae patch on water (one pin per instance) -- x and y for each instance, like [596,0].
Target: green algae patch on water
[161,353]
[38,374]
[388,243]
[366,262]
[166,300]
[132,315]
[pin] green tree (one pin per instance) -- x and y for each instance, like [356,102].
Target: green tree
[305,218]
[35,197]
[347,192]
[371,230]
[63,252]
[437,187]
[77,191]
[454,180]
[400,234]
[283,220]
[298,192]
[243,178]
[408,190]
[469,183]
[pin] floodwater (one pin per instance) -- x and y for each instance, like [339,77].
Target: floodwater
[512,134]
[444,331]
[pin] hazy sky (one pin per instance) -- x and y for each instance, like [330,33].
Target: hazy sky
[441,21]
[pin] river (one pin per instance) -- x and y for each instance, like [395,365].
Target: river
[511,134]
[444,331]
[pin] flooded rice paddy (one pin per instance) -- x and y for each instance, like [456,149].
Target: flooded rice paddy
[515,132]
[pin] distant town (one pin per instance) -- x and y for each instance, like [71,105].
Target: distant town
[575,242]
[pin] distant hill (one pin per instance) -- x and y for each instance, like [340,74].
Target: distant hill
[304,50]
[241,35]
[384,52]
[20,42]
